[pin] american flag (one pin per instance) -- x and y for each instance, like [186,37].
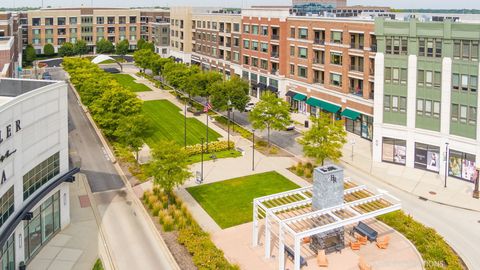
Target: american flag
[207,107]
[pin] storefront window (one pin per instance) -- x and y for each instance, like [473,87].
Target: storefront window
[7,255]
[394,150]
[43,225]
[427,157]
[461,165]
[363,126]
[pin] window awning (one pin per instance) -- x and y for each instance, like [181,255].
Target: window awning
[299,97]
[350,114]
[324,105]
[272,88]
[290,94]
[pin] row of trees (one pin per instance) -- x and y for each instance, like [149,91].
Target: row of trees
[116,110]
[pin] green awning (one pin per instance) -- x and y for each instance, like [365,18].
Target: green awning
[324,105]
[350,114]
[299,97]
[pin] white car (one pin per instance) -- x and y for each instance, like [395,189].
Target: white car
[249,107]
[290,126]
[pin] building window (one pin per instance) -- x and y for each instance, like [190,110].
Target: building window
[292,50]
[336,37]
[246,28]
[336,58]
[7,255]
[246,44]
[396,75]
[336,79]
[61,21]
[264,30]
[100,20]
[254,62]
[461,165]
[464,114]
[7,205]
[292,32]
[264,47]
[465,50]
[396,45]
[386,103]
[40,174]
[302,52]
[394,150]
[255,45]
[246,60]
[427,157]
[430,47]
[236,27]
[303,33]
[255,29]
[292,69]
[302,72]
[133,19]
[464,82]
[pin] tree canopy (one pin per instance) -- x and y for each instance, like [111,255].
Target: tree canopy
[271,112]
[235,89]
[30,54]
[48,49]
[67,49]
[325,139]
[105,46]
[122,47]
[80,47]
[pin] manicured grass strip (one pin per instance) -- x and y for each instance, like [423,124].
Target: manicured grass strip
[128,82]
[429,243]
[208,156]
[167,122]
[229,202]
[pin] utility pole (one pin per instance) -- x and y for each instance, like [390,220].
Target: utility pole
[253,149]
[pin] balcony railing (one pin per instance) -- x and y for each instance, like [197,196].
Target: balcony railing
[357,46]
[358,68]
[318,61]
[371,94]
[319,41]
[274,54]
[318,80]
[356,91]
[373,47]
[275,37]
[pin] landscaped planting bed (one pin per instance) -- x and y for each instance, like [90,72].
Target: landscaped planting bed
[168,124]
[228,210]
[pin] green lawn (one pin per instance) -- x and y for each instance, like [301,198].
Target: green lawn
[168,124]
[229,202]
[129,82]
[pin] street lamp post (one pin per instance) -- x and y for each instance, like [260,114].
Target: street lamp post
[353,144]
[446,164]
[185,123]
[201,166]
[253,149]
[228,125]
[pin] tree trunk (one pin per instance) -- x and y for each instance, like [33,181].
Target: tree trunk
[323,161]
[136,155]
[268,136]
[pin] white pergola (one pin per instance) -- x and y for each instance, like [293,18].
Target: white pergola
[290,214]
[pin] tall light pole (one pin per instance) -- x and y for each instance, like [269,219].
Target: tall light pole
[253,149]
[353,144]
[446,164]
[228,125]
[201,168]
[185,123]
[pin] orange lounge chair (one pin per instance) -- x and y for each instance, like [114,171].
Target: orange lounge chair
[383,243]
[362,239]
[322,260]
[355,245]
[306,240]
[362,265]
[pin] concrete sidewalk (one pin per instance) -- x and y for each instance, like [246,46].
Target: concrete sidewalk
[77,247]
[421,183]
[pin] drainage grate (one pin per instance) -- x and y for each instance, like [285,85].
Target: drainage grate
[432,193]
[422,198]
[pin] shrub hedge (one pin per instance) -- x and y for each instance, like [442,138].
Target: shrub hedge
[213,147]
[436,253]
[174,215]
[235,127]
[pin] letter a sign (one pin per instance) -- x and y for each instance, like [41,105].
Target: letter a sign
[4,177]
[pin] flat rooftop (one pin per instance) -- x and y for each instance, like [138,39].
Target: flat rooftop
[10,88]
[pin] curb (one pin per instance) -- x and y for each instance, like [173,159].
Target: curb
[348,164]
[119,170]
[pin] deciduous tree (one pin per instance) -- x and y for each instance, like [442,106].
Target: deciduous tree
[271,112]
[122,47]
[48,50]
[67,49]
[169,166]
[132,130]
[234,89]
[325,139]
[105,46]
[30,54]
[80,47]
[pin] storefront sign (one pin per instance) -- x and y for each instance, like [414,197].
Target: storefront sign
[427,157]
[8,130]
[461,165]
[394,150]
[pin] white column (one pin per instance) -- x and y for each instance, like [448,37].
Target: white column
[64,204]
[445,106]
[378,107]
[281,248]
[255,225]
[267,238]
[477,152]
[297,254]
[411,109]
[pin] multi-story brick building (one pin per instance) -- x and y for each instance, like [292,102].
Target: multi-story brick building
[10,44]
[333,3]
[57,26]
[426,97]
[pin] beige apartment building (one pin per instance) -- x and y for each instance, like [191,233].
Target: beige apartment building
[57,26]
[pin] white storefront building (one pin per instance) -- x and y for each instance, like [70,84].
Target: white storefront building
[34,166]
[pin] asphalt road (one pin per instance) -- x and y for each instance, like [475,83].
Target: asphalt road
[131,237]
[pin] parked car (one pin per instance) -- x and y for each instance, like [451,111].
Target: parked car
[249,107]
[290,126]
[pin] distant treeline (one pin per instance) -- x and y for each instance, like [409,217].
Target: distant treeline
[449,11]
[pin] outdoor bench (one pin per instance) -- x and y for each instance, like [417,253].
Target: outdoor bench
[365,230]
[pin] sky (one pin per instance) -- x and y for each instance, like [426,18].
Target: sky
[446,4]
